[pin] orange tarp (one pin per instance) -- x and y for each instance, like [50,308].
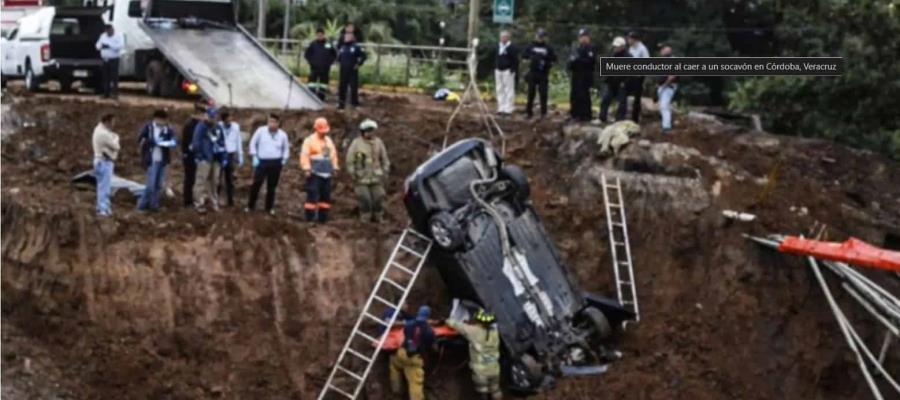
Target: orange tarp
[852,251]
[395,337]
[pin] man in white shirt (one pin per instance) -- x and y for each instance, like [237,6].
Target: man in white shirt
[505,69]
[636,85]
[270,150]
[235,153]
[110,45]
[156,139]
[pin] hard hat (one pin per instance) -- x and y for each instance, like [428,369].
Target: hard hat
[423,314]
[368,125]
[483,316]
[618,41]
[321,125]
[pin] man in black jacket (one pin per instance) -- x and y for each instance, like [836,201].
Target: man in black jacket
[320,55]
[187,160]
[616,86]
[350,57]
[506,68]
[582,64]
[542,58]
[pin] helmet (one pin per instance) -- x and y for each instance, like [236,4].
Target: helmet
[618,41]
[321,125]
[368,125]
[483,316]
[423,314]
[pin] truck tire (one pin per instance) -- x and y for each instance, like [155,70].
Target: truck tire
[515,175]
[445,231]
[598,322]
[526,374]
[32,81]
[153,76]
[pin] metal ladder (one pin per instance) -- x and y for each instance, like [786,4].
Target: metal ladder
[618,243]
[362,347]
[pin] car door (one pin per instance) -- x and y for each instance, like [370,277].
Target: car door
[8,66]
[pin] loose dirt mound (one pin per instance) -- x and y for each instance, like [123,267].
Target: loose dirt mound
[233,305]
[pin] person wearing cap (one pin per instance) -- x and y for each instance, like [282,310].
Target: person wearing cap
[320,54]
[506,67]
[636,84]
[319,162]
[484,352]
[111,45]
[582,63]
[616,86]
[234,148]
[155,140]
[368,164]
[665,91]
[407,361]
[350,56]
[270,150]
[208,149]
[187,157]
[541,57]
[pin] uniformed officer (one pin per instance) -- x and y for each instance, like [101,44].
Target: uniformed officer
[541,58]
[581,64]
[368,165]
[320,55]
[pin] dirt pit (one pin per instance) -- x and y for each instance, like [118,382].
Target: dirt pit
[234,305]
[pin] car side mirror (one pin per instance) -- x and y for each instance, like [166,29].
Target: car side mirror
[134,9]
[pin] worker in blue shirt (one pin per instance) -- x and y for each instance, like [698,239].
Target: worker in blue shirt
[156,138]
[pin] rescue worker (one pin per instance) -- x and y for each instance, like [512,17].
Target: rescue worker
[350,56]
[156,138]
[407,360]
[582,64]
[208,148]
[319,162]
[368,164]
[484,352]
[270,149]
[506,69]
[187,157]
[636,84]
[616,86]
[105,144]
[320,55]
[541,58]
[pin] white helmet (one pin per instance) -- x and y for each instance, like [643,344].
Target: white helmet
[368,125]
[618,41]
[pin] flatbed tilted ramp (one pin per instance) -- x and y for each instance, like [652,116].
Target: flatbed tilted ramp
[217,58]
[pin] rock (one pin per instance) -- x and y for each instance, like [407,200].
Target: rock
[716,189]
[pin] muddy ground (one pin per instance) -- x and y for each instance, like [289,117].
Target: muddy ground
[176,305]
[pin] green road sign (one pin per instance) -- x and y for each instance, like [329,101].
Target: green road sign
[503,11]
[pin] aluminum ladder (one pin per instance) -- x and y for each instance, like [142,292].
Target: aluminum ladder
[619,245]
[362,347]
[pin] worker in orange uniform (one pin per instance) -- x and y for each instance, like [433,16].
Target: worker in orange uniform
[319,161]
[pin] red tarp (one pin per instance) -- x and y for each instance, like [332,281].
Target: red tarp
[853,251]
[395,337]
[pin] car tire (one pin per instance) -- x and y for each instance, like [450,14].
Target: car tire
[519,180]
[32,81]
[153,77]
[526,374]
[445,230]
[597,321]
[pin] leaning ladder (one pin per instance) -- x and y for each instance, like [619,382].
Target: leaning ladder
[618,243]
[361,349]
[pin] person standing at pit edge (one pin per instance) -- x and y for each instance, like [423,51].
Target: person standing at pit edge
[616,86]
[155,140]
[542,58]
[636,84]
[665,91]
[582,64]
[208,148]
[368,164]
[319,162]
[110,44]
[105,143]
[187,157]
[506,68]
[270,150]
[234,154]
[320,55]
[350,56]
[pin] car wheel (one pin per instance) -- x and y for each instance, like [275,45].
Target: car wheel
[515,174]
[445,230]
[32,82]
[597,321]
[153,75]
[526,373]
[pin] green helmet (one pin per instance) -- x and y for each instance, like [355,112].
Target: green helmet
[484,317]
[368,125]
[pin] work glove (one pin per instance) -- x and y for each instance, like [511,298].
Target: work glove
[255,161]
[283,161]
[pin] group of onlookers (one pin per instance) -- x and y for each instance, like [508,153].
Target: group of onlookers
[212,151]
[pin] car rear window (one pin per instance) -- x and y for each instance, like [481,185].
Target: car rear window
[65,26]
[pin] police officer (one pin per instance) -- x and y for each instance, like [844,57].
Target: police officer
[581,64]
[542,58]
[320,55]
[368,165]
[350,56]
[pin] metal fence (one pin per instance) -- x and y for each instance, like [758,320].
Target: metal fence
[389,64]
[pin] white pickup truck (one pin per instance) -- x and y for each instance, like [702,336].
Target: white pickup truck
[54,43]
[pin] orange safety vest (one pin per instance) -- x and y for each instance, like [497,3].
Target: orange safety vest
[318,155]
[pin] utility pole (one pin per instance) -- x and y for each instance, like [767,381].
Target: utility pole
[474,8]
[287,25]
[261,20]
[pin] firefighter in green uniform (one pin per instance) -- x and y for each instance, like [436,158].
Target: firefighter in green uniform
[484,353]
[369,165]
